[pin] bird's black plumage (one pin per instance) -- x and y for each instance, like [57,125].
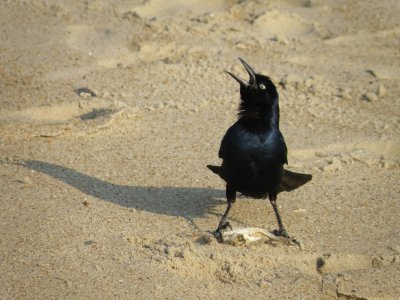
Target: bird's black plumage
[253,150]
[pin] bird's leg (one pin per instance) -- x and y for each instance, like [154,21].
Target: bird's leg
[223,223]
[282,230]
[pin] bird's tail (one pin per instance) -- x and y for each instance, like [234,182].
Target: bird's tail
[291,180]
[215,169]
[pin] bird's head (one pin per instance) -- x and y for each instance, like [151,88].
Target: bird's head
[258,91]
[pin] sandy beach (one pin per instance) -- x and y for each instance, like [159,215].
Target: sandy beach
[111,110]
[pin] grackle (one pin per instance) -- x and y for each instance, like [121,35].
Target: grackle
[253,150]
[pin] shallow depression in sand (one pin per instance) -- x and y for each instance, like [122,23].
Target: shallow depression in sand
[55,114]
[275,24]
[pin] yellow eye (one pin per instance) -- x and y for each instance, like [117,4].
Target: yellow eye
[262,86]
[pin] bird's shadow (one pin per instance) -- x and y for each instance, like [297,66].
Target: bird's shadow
[187,202]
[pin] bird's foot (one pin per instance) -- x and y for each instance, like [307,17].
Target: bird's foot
[218,231]
[282,233]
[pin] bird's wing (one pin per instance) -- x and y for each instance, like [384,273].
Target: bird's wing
[284,150]
[221,151]
[226,142]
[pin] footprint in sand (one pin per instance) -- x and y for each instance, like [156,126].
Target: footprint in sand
[82,117]
[161,9]
[281,25]
[333,156]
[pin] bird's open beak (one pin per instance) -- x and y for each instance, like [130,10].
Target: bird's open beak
[252,80]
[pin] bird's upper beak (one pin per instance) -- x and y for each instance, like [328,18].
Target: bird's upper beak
[252,80]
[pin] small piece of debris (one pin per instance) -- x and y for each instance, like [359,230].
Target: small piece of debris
[371,72]
[381,91]
[333,165]
[25,180]
[89,242]
[370,97]
[299,210]
[85,92]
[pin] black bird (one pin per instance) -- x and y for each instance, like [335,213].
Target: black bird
[253,150]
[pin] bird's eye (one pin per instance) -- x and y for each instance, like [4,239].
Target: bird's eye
[262,86]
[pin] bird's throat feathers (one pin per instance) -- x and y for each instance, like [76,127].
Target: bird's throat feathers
[259,114]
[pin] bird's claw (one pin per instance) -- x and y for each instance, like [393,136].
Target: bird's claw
[281,232]
[284,234]
[218,231]
[225,226]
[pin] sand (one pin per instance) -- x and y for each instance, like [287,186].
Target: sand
[111,110]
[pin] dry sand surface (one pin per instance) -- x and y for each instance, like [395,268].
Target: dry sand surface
[106,195]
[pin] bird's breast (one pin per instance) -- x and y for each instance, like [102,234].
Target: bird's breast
[260,147]
[252,161]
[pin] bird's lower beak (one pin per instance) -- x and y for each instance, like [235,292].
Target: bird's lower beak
[238,79]
[252,80]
